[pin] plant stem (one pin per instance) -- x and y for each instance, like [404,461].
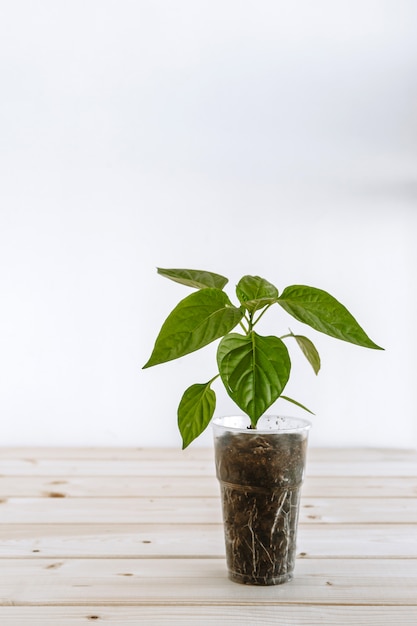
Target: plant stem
[260,315]
[213,379]
[243,327]
[251,322]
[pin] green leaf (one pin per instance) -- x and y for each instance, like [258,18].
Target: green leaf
[255,292]
[324,313]
[194,278]
[196,321]
[309,350]
[254,370]
[297,404]
[195,411]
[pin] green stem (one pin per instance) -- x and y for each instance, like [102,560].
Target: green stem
[260,315]
[244,327]
[251,323]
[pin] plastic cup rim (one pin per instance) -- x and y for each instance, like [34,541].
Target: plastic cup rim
[303,425]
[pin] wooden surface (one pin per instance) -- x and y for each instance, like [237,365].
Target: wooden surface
[130,536]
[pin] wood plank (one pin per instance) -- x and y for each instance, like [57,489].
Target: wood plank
[120,486]
[194,486]
[110,510]
[230,615]
[198,462]
[81,539]
[196,510]
[102,467]
[357,541]
[196,453]
[127,540]
[197,582]
[196,541]
[176,467]
[377,468]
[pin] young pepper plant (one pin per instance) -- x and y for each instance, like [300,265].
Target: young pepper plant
[253,368]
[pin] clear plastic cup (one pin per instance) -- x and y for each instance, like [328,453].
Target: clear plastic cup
[260,473]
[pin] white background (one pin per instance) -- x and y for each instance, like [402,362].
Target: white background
[262,137]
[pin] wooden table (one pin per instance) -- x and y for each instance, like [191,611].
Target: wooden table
[134,536]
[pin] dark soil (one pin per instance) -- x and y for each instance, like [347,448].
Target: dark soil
[260,477]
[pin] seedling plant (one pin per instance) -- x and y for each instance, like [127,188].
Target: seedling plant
[254,368]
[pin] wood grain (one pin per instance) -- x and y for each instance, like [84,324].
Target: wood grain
[230,615]
[193,486]
[128,535]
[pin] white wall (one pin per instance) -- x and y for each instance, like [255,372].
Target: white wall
[264,137]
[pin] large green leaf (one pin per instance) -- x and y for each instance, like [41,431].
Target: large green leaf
[324,313]
[196,321]
[195,411]
[255,292]
[194,278]
[254,370]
